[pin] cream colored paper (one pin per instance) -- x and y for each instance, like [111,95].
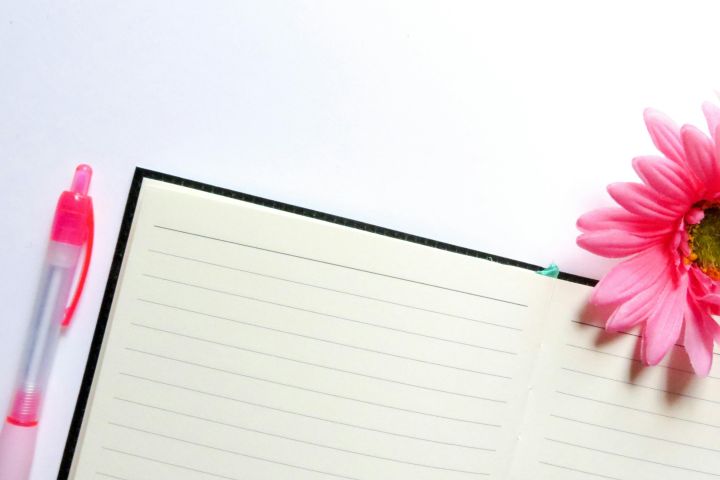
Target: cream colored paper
[246,342]
[596,413]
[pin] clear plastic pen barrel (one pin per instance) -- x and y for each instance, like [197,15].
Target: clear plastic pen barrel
[44,332]
[71,232]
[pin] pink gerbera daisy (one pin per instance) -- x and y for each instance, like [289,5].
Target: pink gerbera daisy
[671,224]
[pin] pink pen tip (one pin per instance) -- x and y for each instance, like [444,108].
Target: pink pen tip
[81,180]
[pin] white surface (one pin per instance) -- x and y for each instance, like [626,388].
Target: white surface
[488,125]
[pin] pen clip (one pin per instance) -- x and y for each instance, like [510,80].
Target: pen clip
[70,310]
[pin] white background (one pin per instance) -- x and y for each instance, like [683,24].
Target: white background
[490,125]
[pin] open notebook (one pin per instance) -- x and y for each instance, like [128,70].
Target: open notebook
[245,339]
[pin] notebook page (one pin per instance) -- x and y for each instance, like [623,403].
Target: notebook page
[597,413]
[246,342]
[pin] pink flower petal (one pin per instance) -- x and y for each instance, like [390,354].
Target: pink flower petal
[698,338]
[711,298]
[715,329]
[701,283]
[616,218]
[665,135]
[632,276]
[694,216]
[635,310]
[712,115]
[616,243]
[665,322]
[716,136]
[667,178]
[709,303]
[700,153]
[644,201]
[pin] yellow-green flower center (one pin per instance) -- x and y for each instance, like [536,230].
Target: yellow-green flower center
[704,239]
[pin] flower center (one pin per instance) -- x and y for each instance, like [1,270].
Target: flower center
[704,242]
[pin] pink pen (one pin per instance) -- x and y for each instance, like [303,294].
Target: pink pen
[71,230]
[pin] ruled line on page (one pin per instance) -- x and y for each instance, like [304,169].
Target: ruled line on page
[570,469]
[235,452]
[627,432]
[307,442]
[629,457]
[633,359]
[170,464]
[669,392]
[621,332]
[397,330]
[317,365]
[588,324]
[319,392]
[355,347]
[332,342]
[417,282]
[328,289]
[277,462]
[284,437]
[303,415]
[108,475]
[640,410]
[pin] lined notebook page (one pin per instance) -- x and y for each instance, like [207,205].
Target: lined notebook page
[596,413]
[245,342]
